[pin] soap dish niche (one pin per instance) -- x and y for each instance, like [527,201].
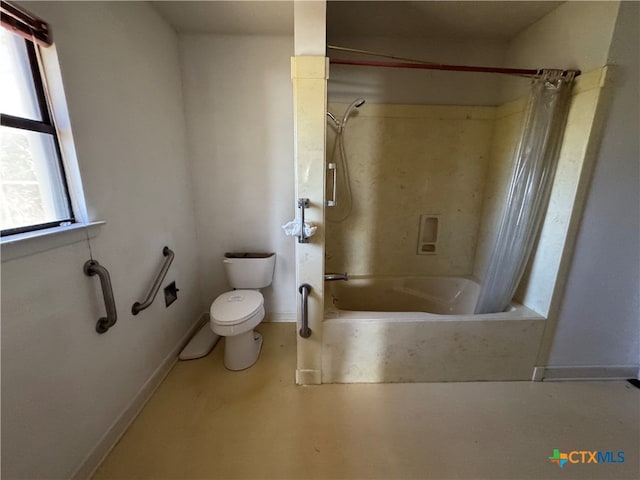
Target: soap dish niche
[428,234]
[427,248]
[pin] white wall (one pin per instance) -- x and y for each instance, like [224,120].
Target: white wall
[63,385]
[309,26]
[404,86]
[239,110]
[599,322]
[576,35]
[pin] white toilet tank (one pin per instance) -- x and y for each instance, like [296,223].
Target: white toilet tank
[249,270]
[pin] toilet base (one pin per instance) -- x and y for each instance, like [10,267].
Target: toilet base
[242,351]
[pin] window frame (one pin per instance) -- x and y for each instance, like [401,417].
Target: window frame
[45,126]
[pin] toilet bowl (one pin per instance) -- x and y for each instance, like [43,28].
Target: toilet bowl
[234,314]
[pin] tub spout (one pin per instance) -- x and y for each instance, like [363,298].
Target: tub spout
[332,277]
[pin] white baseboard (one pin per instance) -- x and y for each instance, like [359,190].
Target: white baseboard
[284,317]
[614,372]
[93,460]
[538,374]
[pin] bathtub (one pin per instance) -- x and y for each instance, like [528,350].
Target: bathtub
[423,329]
[439,295]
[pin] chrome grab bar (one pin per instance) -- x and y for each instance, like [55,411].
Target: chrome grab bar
[151,296]
[91,268]
[334,201]
[305,331]
[302,204]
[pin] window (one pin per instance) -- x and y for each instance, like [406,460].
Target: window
[34,193]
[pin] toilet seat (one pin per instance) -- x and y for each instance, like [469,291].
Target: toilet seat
[232,308]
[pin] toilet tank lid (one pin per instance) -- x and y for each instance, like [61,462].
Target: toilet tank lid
[247,255]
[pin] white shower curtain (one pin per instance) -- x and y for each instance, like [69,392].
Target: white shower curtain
[535,164]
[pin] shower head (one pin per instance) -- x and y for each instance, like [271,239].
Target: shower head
[357,103]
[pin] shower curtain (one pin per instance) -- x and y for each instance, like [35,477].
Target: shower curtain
[535,164]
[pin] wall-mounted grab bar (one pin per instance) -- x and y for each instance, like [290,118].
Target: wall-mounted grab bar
[151,296]
[305,331]
[91,268]
[334,186]
[302,204]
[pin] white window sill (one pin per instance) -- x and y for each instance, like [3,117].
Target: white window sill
[29,243]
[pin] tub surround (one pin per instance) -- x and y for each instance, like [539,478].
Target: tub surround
[406,161]
[508,127]
[455,162]
[309,76]
[447,344]
[366,346]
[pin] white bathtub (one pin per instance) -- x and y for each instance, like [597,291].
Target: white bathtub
[421,329]
[440,295]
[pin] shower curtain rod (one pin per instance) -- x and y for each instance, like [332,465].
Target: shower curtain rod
[422,65]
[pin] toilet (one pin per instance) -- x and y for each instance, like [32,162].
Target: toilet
[234,314]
